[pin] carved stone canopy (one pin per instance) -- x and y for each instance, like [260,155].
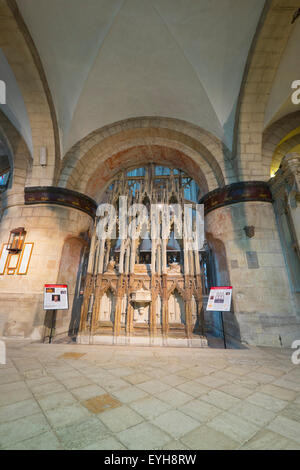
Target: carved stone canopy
[141,296]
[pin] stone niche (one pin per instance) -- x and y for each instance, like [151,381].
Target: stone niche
[141,296]
[141,300]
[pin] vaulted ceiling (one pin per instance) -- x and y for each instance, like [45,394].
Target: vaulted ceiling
[109,60]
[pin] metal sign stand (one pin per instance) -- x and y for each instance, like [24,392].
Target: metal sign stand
[52,326]
[223,330]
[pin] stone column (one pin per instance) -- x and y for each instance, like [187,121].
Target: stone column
[122,256]
[285,187]
[165,306]
[164,256]
[255,266]
[120,295]
[248,253]
[101,256]
[291,172]
[58,232]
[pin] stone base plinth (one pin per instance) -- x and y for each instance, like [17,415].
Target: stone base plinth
[200,342]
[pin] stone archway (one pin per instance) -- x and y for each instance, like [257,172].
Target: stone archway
[20,162]
[142,155]
[23,58]
[206,150]
[271,38]
[274,134]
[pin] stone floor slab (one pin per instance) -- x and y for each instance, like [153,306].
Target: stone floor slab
[22,429]
[150,407]
[193,388]
[174,397]
[82,434]
[237,391]
[56,400]
[175,445]
[137,378]
[266,401]
[236,428]
[45,441]
[144,436]
[88,391]
[121,418]
[129,394]
[205,438]
[153,386]
[286,427]
[175,423]
[254,414]
[268,440]
[200,410]
[101,403]
[110,443]
[220,399]
[18,410]
[278,392]
[66,415]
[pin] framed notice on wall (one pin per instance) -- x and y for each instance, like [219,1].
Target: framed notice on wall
[25,259]
[15,263]
[219,299]
[3,258]
[56,297]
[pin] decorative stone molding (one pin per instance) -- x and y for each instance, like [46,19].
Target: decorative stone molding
[274,134]
[285,185]
[23,58]
[236,192]
[269,42]
[206,150]
[60,196]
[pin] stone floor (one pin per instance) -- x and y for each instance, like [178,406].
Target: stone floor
[65,396]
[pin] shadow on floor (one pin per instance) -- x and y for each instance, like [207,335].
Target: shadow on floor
[215,342]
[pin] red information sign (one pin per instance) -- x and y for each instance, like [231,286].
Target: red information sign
[56,297]
[219,299]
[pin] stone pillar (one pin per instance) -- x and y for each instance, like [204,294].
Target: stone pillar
[153,306]
[246,245]
[101,256]
[118,310]
[165,306]
[285,187]
[58,233]
[164,256]
[291,174]
[122,257]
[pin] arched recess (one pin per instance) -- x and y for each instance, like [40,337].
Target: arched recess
[283,149]
[176,308]
[72,272]
[139,156]
[274,134]
[264,58]
[24,60]
[19,159]
[207,151]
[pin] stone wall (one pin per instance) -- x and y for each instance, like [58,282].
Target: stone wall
[263,309]
[58,234]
